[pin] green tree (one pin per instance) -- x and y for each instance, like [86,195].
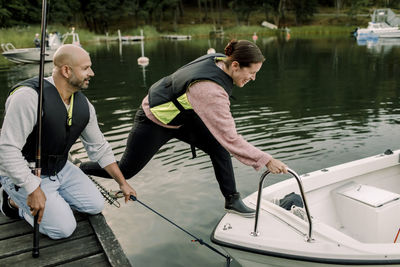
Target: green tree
[355,7]
[172,7]
[386,3]
[19,12]
[304,9]
[243,9]
[131,8]
[277,8]
[5,14]
[151,7]
[62,12]
[99,13]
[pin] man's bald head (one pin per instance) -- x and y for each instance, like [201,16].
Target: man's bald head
[72,68]
[68,55]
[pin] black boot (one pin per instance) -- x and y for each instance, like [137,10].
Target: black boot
[5,206]
[234,204]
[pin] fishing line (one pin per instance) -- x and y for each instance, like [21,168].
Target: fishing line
[196,239]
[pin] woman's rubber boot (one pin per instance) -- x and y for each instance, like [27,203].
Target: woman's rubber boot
[234,204]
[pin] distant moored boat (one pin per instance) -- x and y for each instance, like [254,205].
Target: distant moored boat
[32,55]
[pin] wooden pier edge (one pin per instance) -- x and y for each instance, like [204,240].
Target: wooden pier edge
[93,243]
[108,241]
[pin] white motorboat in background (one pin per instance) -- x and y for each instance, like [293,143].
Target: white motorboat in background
[32,55]
[352,218]
[379,29]
[384,24]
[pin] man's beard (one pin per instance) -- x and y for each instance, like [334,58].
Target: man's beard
[80,85]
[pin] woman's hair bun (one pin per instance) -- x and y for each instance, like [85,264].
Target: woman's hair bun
[244,52]
[230,47]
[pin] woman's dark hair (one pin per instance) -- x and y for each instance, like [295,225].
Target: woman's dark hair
[244,52]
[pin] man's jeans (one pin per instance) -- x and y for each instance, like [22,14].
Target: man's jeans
[70,188]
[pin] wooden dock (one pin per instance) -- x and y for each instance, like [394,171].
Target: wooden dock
[130,38]
[92,244]
[177,37]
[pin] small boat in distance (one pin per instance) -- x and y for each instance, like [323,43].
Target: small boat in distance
[350,216]
[379,29]
[32,55]
[384,24]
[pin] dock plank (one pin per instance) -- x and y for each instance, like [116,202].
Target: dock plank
[13,228]
[92,244]
[109,242]
[17,228]
[20,244]
[4,219]
[98,260]
[57,254]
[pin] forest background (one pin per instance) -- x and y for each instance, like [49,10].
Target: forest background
[101,16]
[94,19]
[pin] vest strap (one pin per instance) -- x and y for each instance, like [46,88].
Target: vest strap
[178,105]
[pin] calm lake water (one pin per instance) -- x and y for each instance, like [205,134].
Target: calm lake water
[315,103]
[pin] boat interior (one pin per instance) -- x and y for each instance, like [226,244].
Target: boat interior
[364,207]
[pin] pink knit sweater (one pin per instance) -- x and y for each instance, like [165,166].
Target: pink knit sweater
[211,103]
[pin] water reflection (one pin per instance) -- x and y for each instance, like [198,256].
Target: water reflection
[21,72]
[316,103]
[379,45]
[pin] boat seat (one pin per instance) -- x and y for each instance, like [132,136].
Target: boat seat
[367,213]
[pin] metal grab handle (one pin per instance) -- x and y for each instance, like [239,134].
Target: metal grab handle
[260,188]
[9,47]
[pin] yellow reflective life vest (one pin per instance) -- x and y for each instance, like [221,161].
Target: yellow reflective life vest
[167,97]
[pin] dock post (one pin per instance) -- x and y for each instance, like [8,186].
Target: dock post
[119,36]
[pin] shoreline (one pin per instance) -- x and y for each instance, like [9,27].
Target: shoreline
[22,37]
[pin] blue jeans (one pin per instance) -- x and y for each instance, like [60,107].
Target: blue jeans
[69,189]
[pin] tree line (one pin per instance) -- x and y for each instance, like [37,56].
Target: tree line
[99,15]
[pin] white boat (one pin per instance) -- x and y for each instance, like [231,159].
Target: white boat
[380,29]
[32,55]
[353,218]
[25,55]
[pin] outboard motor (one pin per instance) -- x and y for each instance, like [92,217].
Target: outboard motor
[354,33]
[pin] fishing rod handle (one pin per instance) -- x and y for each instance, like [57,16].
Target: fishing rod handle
[35,248]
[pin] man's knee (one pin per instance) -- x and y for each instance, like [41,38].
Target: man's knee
[96,207]
[62,230]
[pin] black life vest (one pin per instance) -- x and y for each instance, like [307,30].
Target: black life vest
[170,88]
[57,136]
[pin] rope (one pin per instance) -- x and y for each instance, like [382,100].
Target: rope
[397,236]
[196,239]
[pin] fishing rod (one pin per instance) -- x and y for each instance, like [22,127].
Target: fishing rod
[196,239]
[35,249]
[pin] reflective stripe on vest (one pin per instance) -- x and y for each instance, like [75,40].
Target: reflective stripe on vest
[168,111]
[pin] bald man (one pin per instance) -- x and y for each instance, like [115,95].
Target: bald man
[67,115]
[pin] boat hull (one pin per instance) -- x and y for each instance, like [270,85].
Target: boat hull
[247,259]
[380,30]
[355,218]
[28,55]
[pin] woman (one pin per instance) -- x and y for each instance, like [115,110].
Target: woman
[192,105]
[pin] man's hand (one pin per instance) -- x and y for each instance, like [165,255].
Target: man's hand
[276,166]
[116,173]
[127,190]
[36,202]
